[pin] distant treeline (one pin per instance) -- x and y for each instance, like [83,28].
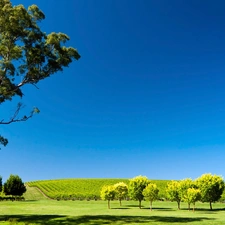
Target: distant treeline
[11,198]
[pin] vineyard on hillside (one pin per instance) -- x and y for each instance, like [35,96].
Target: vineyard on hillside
[79,189]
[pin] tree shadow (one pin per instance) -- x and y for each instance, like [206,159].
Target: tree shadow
[159,209]
[97,220]
[31,200]
[135,206]
[153,208]
[204,210]
[121,208]
[213,210]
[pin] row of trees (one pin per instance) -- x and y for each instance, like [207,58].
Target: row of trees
[207,188]
[14,186]
[110,192]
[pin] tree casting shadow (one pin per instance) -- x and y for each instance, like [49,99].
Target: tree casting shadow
[96,220]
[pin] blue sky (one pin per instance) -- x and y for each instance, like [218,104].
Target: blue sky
[147,96]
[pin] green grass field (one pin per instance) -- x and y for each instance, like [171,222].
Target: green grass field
[33,193]
[38,210]
[53,212]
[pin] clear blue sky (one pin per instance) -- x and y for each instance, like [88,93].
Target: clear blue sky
[147,96]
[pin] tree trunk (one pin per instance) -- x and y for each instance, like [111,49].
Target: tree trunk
[151,205]
[108,204]
[210,203]
[193,206]
[139,204]
[189,206]
[120,201]
[178,205]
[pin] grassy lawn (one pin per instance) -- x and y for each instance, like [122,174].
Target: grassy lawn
[33,193]
[96,213]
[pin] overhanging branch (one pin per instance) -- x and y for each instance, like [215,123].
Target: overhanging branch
[15,118]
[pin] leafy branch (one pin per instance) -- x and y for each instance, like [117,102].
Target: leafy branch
[27,54]
[15,118]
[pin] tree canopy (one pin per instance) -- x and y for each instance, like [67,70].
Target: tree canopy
[0,184]
[192,195]
[14,186]
[151,193]
[108,193]
[185,184]
[27,54]
[136,187]
[173,192]
[211,187]
[121,190]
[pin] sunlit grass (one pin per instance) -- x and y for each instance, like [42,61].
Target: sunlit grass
[33,193]
[95,212]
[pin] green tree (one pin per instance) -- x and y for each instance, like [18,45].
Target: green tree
[184,186]
[151,193]
[136,187]
[108,193]
[14,186]
[192,195]
[27,54]
[3,141]
[211,187]
[0,184]
[222,198]
[173,192]
[121,190]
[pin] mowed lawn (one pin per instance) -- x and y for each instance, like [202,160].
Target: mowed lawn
[96,213]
